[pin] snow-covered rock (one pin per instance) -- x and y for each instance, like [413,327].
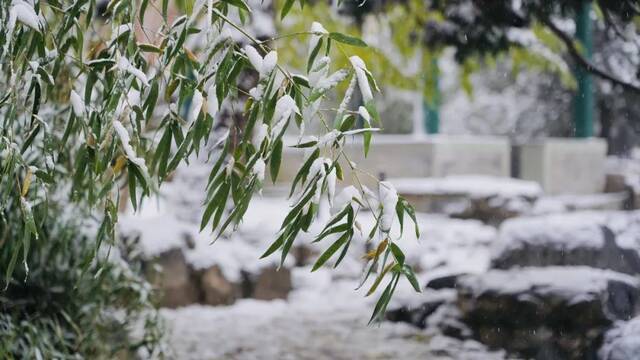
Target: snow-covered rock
[170,274]
[551,310]
[622,342]
[584,202]
[216,289]
[271,283]
[417,314]
[490,199]
[606,240]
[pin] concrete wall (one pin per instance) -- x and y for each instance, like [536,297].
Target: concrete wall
[409,156]
[565,166]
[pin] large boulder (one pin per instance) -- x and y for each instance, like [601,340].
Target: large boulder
[622,342]
[216,289]
[172,276]
[605,240]
[550,312]
[489,199]
[271,283]
[416,314]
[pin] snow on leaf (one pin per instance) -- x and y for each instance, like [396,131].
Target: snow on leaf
[259,134]
[331,185]
[212,101]
[25,13]
[196,106]
[125,139]
[124,65]
[120,30]
[346,196]
[363,83]
[254,58]
[285,107]
[258,169]
[269,63]
[362,111]
[329,138]
[318,31]
[77,104]
[332,80]
[388,197]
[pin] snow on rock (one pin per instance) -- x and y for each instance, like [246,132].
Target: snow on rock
[570,283]
[607,240]
[487,198]
[570,203]
[622,342]
[562,309]
[155,234]
[566,230]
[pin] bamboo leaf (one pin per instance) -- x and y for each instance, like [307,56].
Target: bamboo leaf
[330,251]
[346,39]
[276,159]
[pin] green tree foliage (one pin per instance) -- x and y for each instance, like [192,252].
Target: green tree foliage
[480,28]
[91,117]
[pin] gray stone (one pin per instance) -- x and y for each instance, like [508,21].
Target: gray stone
[486,198]
[580,239]
[444,282]
[271,283]
[172,276]
[216,289]
[552,312]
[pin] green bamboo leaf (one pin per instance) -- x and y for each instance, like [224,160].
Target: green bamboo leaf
[150,48]
[304,145]
[412,214]
[378,280]
[383,301]
[411,276]
[132,187]
[304,170]
[276,159]
[286,8]
[330,251]
[313,55]
[400,215]
[275,245]
[346,39]
[397,253]
[347,122]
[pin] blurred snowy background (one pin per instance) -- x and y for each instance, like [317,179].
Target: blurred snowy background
[530,243]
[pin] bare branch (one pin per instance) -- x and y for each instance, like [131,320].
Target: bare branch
[584,62]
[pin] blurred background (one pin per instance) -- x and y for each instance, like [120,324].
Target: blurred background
[511,126]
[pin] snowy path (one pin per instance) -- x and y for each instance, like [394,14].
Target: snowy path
[324,320]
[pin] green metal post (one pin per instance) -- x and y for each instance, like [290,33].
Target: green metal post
[584,100]
[431,107]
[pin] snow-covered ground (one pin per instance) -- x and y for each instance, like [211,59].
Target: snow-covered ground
[322,319]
